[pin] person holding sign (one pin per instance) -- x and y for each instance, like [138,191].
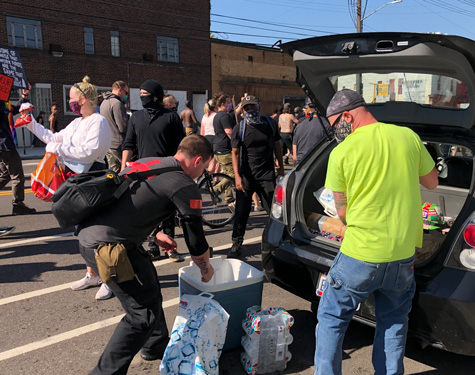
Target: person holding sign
[11,168]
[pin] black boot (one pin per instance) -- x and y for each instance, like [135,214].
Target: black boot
[235,251]
[21,208]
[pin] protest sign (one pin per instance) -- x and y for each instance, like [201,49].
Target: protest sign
[10,65]
[5,87]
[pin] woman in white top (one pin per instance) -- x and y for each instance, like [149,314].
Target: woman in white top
[81,146]
[207,130]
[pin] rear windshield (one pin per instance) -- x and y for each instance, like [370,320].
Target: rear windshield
[425,89]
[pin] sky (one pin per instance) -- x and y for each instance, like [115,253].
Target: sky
[265,22]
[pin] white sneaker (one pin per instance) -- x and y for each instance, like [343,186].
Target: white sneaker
[86,282]
[104,292]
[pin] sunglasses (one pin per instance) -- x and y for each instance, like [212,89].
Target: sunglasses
[77,86]
[337,120]
[120,87]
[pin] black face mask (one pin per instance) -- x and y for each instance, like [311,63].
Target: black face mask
[148,102]
[174,109]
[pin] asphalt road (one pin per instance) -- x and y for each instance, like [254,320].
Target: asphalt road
[46,328]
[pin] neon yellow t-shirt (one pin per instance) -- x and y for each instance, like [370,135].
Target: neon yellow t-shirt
[378,166]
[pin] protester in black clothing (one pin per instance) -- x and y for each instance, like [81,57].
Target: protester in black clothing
[128,222]
[11,168]
[299,114]
[154,131]
[253,164]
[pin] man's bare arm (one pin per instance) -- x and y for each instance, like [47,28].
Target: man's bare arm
[126,156]
[341,204]
[430,180]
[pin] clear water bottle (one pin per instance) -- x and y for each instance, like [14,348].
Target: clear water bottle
[273,342]
[266,341]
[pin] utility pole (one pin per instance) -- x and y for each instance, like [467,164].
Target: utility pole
[359,21]
[359,29]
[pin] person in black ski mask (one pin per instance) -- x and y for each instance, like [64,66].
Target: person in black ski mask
[154,131]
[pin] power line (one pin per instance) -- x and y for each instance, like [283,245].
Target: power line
[444,18]
[267,23]
[261,28]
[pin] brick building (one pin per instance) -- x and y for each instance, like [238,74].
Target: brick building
[61,41]
[264,72]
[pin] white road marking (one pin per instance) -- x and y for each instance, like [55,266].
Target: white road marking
[30,163]
[70,334]
[40,344]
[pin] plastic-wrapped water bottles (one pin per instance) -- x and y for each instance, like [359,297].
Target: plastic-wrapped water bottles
[266,341]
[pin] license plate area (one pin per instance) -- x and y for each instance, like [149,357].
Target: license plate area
[321,283]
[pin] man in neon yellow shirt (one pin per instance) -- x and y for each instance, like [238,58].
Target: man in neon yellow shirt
[375,176]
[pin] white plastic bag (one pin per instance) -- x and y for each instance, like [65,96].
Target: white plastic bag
[197,337]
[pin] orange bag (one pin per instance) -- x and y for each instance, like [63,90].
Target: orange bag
[47,178]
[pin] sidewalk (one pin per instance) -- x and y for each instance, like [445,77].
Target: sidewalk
[31,153]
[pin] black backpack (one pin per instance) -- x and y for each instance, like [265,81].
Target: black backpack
[86,194]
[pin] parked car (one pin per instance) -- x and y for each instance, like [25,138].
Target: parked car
[426,83]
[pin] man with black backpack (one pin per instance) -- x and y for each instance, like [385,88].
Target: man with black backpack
[123,227]
[254,143]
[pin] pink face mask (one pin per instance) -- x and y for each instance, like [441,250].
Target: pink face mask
[230,107]
[75,107]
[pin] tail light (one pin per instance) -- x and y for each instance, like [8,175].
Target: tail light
[463,251]
[279,193]
[469,235]
[467,256]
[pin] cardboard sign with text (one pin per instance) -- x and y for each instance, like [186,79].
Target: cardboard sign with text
[5,87]
[11,66]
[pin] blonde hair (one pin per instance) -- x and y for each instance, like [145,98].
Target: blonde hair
[210,106]
[86,89]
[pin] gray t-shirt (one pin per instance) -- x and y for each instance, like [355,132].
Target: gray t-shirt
[144,206]
[308,133]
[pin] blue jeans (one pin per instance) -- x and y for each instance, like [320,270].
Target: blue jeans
[349,283]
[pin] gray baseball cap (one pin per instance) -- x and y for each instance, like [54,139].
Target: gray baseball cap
[344,100]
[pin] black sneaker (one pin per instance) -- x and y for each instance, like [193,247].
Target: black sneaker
[235,251]
[5,230]
[22,209]
[148,357]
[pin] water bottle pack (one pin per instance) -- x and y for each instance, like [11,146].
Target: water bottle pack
[266,341]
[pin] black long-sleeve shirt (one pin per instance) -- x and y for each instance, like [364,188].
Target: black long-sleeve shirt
[157,135]
[6,138]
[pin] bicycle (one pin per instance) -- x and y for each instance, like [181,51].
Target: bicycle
[216,211]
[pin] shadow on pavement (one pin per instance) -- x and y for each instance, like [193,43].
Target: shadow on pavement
[63,247]
[15,273]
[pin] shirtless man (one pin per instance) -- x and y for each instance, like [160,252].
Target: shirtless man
[188,117]
[287,122]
